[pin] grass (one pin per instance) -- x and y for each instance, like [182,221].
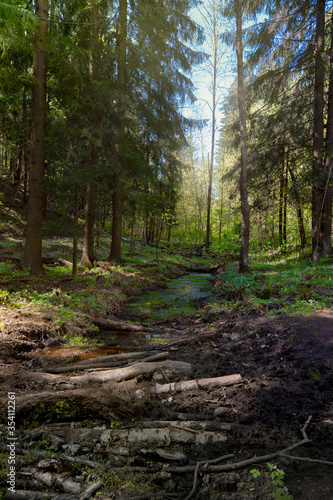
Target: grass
[289,286]
[65,302]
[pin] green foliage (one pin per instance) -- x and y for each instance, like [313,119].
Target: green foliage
[5,297]
[60,410]
[271,482]
[277,286]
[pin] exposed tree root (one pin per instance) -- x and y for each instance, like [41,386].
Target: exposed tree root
[90,402]
[109,361]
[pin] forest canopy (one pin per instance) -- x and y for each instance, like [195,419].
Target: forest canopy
[92,100]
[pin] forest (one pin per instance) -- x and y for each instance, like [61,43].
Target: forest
[166,284]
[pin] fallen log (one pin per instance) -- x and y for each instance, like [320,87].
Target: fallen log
[116,374]
[117,325]
[52,260]
[37,495]
[203,383]
[78,366]
[133,371]
[122,356]
[161,436]
[97,402]
[189,424]
[91,490]
[92,364]
[53,480]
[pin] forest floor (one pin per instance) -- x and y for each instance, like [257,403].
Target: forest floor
[269,434]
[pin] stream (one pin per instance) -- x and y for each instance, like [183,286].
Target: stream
[178,298]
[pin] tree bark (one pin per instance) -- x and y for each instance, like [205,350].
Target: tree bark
[117,199]
[245,230]
[33,246]
[88,255]
[285,200]
[326,241]
[318,130]
[281,203]
[97,401]
[299,209]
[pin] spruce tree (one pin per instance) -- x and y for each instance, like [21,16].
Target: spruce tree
[33,247]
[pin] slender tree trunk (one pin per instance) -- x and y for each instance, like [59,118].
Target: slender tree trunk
[212,151]
[285,200]
[221,215]
[76,218]
[298,209]
[33,246]
[117,200]
[25,159]
[326,243]
[281,191]
[245,231]
[209,201]
[318,129]
[88,255]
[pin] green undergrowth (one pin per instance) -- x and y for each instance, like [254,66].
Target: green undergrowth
[102,291]
[289,286]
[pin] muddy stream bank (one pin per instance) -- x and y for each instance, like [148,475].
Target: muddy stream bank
[180,296]
[186,410]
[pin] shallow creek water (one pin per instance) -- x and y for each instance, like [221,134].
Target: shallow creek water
[178,296]
[164,303]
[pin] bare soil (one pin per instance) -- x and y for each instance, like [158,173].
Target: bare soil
[286,364]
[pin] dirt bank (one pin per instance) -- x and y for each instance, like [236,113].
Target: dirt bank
[286,369]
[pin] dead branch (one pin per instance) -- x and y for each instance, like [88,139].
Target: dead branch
[117,325]
[262,458]
[216,460]
[91,490]
[83,461]
[193,339]
[122,356]
[306,459]
[53,480]
[199,384]
[37,495]
[154,357]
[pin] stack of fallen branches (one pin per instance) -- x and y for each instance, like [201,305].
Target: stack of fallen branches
[209,466]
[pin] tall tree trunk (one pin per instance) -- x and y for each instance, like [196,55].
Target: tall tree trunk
[245,231]
[285,199]
[117,199]
[298,209]
[209,201]
[88,255]
[318,129]
[281,191]
[212,151]
[326,243]
[76,219]
[33,246]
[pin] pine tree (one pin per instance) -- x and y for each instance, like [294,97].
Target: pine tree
[33,248]
[245,231]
